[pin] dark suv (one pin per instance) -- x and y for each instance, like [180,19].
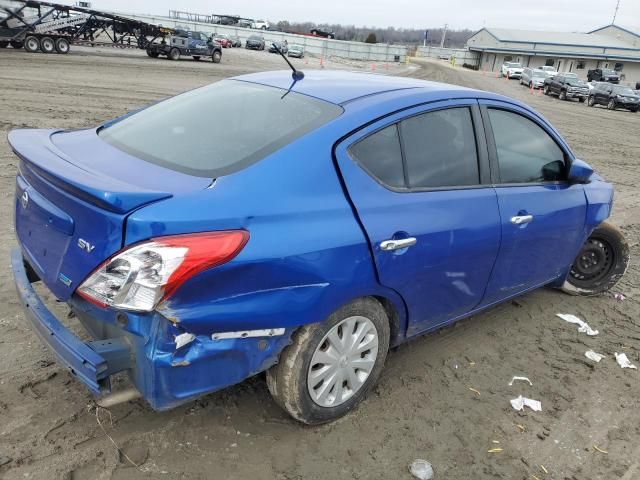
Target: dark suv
[566,85]
[614,96]
[603,75]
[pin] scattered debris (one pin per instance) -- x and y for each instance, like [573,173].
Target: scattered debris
[533,477]
[4,460]
[184,339]
[494,450]
[623,361]
[520,402]
[497,442]
[591,355]
[619,296]
[544,469]
[474,391]
[583,327]
[600,450]
[522,428]
[522,379]
[421,469]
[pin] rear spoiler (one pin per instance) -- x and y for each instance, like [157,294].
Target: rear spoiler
[38,154]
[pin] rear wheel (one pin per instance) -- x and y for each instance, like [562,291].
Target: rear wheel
[47,45]
[62,45]
[563,95]
[591,102]
[612,104]
[174,54]
[216,57]
[31,44]
[331,366]
[600,264]
[152,53]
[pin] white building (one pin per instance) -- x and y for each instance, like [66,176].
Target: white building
[611,46]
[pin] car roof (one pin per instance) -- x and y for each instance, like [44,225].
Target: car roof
[340,87]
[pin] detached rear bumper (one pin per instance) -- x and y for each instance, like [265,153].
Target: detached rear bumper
[92,362]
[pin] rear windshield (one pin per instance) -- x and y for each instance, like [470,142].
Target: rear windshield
[184,133]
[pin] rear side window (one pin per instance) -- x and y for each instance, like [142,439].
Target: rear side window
[440,149]
[218,129]
[526,153]
[381,156]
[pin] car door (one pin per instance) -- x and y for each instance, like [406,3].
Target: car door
[542,215]
[602,96]
[419,183]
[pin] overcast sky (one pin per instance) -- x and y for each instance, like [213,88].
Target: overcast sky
[556,15]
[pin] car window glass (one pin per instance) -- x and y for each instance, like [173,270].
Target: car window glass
[526,153]
[440,149]
[381,156]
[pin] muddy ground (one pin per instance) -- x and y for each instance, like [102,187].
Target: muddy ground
[423,407]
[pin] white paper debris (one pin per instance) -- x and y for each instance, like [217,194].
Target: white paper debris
[184,339]
[582,325]
[591,355]
[521,402]
[523,379]
[421,469]
[619,296]
[623,361]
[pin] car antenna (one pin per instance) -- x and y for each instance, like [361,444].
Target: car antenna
[297,74]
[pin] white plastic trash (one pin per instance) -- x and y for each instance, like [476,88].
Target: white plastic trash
[623,361]
[591,355]
[421,469]
[521,402]
[583,327]
[522,379]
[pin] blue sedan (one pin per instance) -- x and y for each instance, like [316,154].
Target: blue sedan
[332,218]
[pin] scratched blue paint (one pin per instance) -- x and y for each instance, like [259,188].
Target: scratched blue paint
[315,220]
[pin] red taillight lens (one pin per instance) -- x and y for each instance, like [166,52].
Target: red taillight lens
[141,276]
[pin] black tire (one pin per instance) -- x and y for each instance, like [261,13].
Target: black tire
[17,44]
[153,53]
[174,54]
[600,264]
[216,56]
[531,85]
[563,95]
[62,46]
[287,381]
[546,90]
[31,44]
[196,57]
[612,104]
[47,45]
[4,44]
[591,102]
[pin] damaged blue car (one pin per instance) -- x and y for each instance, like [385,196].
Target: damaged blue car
[335,216]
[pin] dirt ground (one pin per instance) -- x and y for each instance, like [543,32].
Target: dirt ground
[423,407]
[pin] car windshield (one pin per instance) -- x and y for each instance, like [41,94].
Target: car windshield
[618,90]
[607,71]
[513,65]
[538,73]
[178,134]
[576,82]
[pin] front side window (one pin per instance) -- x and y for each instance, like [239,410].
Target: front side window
[526,153]
[440,149]
[179,133]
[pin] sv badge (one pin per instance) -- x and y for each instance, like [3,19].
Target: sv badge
[86,246]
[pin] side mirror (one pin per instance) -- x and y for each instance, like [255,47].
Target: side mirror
[580,172]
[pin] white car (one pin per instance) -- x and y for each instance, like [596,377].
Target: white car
[260,25]
[550,72]
[511,70]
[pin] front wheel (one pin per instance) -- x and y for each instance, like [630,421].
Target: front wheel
[563,95]
[546,90]
[600,264]
[591,102]
[174,54]
[216,57]
[612,104]
[331,366]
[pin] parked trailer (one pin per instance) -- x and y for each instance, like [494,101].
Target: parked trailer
[53,27]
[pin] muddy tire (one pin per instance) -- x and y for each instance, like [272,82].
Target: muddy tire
[174,54]
[600,264]
[331,366]
[612,104]
[563,95]
[216,57]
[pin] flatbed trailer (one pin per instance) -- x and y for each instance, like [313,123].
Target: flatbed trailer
[52,27]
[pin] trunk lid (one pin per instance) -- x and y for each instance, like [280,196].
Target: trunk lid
[73,195]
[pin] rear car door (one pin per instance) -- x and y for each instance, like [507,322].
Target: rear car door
[542,215]
[419,182]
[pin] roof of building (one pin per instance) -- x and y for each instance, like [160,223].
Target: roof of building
[340,86]
[557,38]
[632,30]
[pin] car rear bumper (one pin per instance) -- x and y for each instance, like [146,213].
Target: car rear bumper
[92,362]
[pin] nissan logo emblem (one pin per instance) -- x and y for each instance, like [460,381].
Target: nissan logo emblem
[24,199]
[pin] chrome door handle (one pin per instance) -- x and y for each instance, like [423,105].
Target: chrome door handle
[389,245]
[520,219]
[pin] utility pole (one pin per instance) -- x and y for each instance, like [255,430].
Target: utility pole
[444,34]
[615,14]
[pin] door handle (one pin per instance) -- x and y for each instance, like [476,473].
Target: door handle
[521,219]
[389,245]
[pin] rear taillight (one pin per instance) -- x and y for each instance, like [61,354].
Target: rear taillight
[141,276]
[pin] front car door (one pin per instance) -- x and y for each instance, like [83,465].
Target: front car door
[542,215]
[420,184]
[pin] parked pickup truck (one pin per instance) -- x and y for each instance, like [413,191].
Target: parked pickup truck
[566,85]
[195,44]
[603,75]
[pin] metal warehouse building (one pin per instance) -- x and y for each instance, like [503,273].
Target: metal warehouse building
[607,47]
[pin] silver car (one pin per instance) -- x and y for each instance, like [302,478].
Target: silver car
[532,77]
